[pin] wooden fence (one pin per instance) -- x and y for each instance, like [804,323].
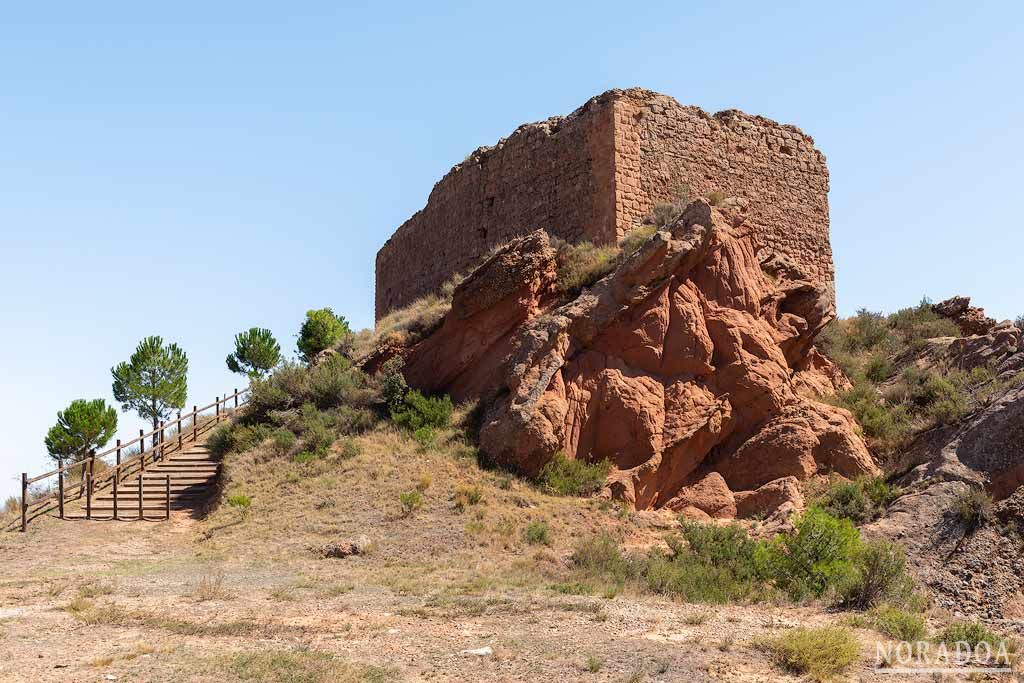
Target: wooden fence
[184,429]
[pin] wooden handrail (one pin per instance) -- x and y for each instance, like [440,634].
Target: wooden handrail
[143,436]
[158,450]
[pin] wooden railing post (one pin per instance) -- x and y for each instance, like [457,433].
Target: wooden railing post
[142,450]
[167,491]
[60,489]
[236,397]
[24,500]
[216,419]
[179,430]
[195,422]
[88,495]
[140,497]
[163,426]
[114,489]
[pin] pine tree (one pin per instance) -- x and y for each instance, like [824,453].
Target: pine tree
[153,381]
[81,427]
[256,352]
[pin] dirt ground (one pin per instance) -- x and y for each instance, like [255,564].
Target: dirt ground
[240,596]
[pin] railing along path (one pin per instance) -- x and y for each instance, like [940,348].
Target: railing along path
[184,429]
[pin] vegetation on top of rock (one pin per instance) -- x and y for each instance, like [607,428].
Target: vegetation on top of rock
[321,330]
[256,352]
[409,323]
[581,265]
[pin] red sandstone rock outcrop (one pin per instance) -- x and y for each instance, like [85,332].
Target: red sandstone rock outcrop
[970,319]
[687,367]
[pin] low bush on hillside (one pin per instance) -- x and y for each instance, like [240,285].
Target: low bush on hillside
[892,402]
[571,477]
[333,383]
[898,623]
[418,411]
[820,653]
[822,558]
[861,500]
[973,507]
[972,633]
[814,557]
[877,574]
[715,565]
[538,532]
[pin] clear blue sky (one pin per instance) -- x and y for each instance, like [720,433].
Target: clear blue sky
[191,169]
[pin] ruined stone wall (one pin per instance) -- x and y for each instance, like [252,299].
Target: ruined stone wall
[595,174]
[773,170]
[554,175]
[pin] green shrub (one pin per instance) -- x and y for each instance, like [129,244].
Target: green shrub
[717,565]
[921,322]
[568,477]
[237,438]
[724,546]
[393,384]
[425,437]
[820,653]
[599,556]
[420,411]
[692,579]
[973,507]
[240,502]
[867,331]
[817,555]
[335,382]
[581,265]
[886,422]
[878,575]
[411,501]
[879,368]
[318,439]
[862,500]
[321,330]
[538,533]
[348,449]
[283,441]
[307,456]
[972,633]
[898,623]
[220,442]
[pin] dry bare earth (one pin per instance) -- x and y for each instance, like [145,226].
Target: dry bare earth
[242,598]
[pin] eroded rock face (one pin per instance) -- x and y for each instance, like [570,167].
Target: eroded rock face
[688,368]
[970,319]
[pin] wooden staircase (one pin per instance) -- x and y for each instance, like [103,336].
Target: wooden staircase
[169,468]
[182,481]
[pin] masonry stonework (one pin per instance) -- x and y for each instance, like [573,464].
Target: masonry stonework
[595,174]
